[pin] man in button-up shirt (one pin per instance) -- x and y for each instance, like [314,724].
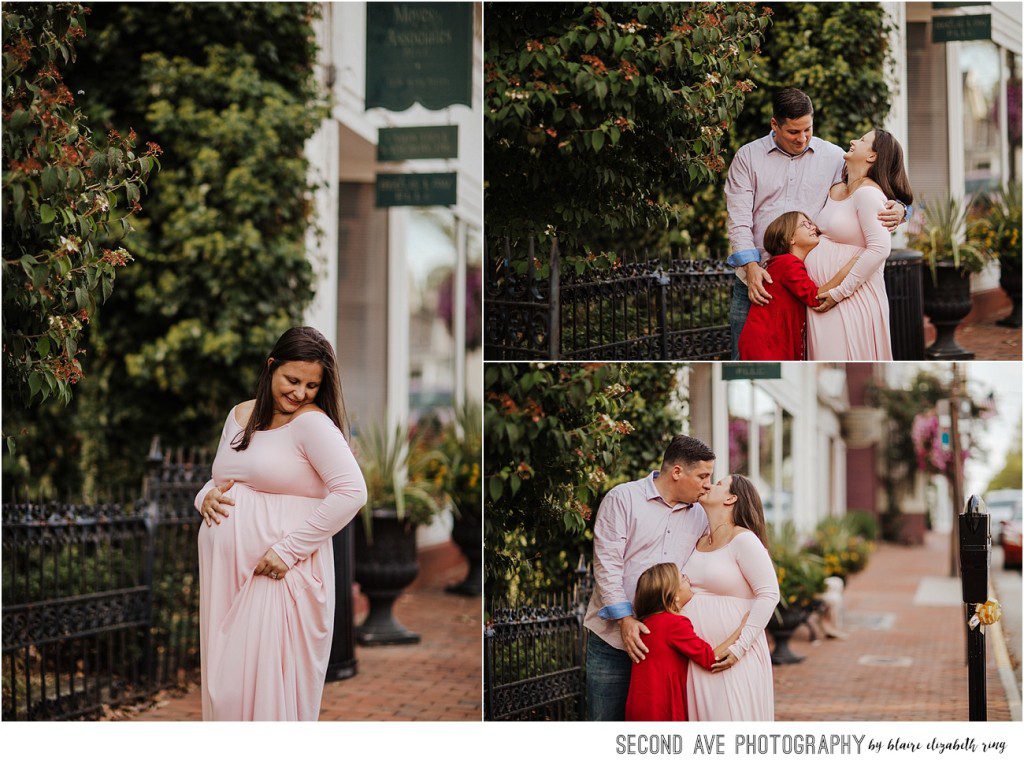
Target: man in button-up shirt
[784,171]
[639,524]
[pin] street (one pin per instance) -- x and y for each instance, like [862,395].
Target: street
[903,658]
[1007,586]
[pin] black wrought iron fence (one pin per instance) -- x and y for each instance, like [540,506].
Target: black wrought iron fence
[534,656]
[647,306]
[659,306]
[100,601]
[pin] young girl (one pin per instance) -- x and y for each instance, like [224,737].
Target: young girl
[657,686]
[775,332]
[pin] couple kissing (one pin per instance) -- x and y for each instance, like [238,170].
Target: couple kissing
[684,588]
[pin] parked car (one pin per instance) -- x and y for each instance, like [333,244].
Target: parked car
[1009,539]
[1003,505]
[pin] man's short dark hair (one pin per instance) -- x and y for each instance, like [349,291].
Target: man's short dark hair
[687,451]
[790,103]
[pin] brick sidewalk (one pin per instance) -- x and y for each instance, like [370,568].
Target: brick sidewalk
[927,683]
[438,679]
[978,331]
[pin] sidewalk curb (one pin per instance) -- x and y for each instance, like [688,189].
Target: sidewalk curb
[1006,675]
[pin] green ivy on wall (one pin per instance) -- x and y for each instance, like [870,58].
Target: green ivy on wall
[229,92]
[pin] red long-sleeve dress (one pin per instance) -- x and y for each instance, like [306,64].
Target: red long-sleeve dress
[657,686]
[775,332]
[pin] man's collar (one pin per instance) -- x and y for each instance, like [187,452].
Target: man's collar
[654,495]
[770,145]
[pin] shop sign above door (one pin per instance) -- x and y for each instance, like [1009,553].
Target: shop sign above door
[956,28]
[738,370]
[425,189]
[398,144]
[418,52]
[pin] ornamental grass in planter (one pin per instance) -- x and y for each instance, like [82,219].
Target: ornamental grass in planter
[949,244]
[385,541]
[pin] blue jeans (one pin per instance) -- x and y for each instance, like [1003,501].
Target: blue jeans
[739,306]
[608,671]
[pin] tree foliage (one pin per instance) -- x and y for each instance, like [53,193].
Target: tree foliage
[838,54]
[547,169]
[557,437]
[65,191]
[591,111]
[229,92]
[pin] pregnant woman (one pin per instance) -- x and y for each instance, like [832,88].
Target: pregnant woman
[284,482]
[853,322]
[732,576]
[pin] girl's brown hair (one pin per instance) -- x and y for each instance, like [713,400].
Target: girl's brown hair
[780,231]
[300,343]
[748,512]
[656,589]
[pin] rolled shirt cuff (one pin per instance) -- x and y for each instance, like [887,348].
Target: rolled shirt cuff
[286,556]
[615,611]
[836,295]
[744,256]
[908,212]
[736,650]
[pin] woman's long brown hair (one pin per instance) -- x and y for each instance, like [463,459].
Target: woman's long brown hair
[748,511]
[300,343]
[656,589]
[888,169]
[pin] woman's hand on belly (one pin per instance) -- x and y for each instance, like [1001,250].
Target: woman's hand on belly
[826,306]
[722,664]
[270,565]
[216,502]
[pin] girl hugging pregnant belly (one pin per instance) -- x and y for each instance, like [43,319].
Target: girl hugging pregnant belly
[657,685]
[776,331]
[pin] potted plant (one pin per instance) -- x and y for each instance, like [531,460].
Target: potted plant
[949,247]
[462,445]
[999,231]
[841,550]
[385,541]
[801,576]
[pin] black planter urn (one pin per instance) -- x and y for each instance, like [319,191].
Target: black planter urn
[782,624]
[947,300]
[385,565]
[467,533]
[1009,280]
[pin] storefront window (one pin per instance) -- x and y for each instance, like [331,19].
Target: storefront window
[474,315]
[739,427]
[979,75]
[765,412]
[430,263]
[1013,109]
[785,499]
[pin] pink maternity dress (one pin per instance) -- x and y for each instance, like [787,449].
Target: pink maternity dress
[857,329]
[727,584]
[264,643]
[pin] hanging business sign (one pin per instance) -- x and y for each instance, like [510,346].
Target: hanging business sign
[424,189]
[956,28]
[419,53]
[751,371]
[397,144]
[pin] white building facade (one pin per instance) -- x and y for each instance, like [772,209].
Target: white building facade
[784,434]
[957,105]
[391,282]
